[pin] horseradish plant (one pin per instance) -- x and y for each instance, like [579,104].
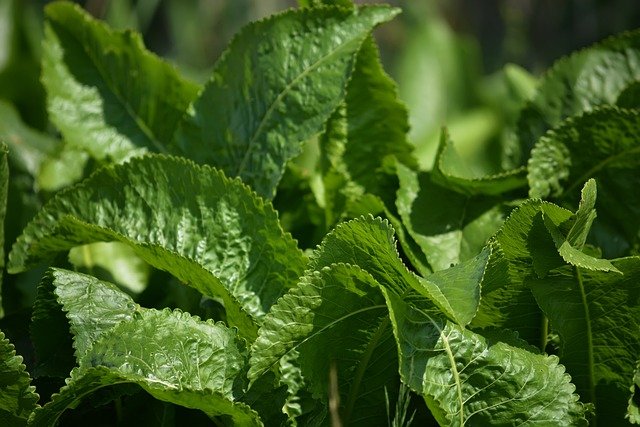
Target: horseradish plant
[504,300]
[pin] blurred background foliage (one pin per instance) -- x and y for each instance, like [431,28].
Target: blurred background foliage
[453,61]
[448,57]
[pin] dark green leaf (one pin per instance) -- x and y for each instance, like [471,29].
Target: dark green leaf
[276,85]
[448,226]
[363,138]
[600,144]
[579,83]
[340,310]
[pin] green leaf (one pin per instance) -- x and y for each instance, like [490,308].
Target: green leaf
[278,82]
[92,308]
[106,93]
[600,144]
[596,315]
[27,147]
[570,247]
[452,171]
[368,243]
[578,83]
[459,287]
[467,379]
[17,396]
[522,247]
[114,262]
[364,136]
[210,232]
[174,356]
[448,226]
[340,310]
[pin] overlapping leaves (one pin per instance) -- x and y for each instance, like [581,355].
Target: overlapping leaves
[173,356]
[210,232]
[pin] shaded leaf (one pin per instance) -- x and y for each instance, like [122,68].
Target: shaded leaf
[105,92]
[449,227]
[338,309]
[363,138]
[579,83]
[596,314]
[276,85]
[452,171]
[600,144]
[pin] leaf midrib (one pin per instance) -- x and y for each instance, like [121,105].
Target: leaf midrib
[121,99]
[281,96]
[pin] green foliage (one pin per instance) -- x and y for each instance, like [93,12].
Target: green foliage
[442,289]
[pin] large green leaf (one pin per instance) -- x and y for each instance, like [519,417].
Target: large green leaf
[105,92]
[448,226]
[467,379]
[600,144]
[591,77]
[363,137]
[174,356]
[210,232]
[596,315]
[276,85]
[340,310]
[17,396]
[369,243]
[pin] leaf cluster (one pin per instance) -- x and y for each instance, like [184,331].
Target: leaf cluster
[270,249]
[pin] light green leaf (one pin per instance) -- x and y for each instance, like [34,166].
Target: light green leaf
[459,287]
[106,93]
[174,356]
[596,315]
[92,308]
[114,262]
[448,226]
[17,396]
[278,82]
[578,83]
[452,171]
[600,144]
[210,232]
[340,310]
[467,379]
[27,146]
